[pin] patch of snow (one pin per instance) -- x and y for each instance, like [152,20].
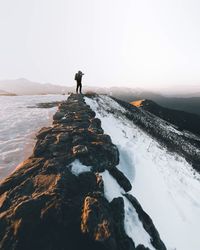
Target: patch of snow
[105,101]
[112,105]
[167,186]
[77,168]
[111,187]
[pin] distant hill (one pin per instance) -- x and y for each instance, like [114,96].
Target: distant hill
[189,95]
[182,120]
[25,87]
[5,93]
[190,104]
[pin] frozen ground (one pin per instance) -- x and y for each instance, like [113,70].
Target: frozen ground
[164,183]
[18,125]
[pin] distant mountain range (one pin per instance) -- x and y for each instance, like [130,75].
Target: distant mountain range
[23,86]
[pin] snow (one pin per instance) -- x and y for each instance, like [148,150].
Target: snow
[111,187]
[173,129]
[132,225]
[77,168]
[167,187]
[18,125]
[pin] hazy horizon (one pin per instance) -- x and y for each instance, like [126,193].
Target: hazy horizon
[146,44]
[23,84]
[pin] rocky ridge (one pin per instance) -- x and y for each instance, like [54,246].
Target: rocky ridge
[184,143]
[45,205]
[182,120]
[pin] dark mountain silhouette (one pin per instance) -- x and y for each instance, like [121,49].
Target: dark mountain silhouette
[191,104]
[183,120]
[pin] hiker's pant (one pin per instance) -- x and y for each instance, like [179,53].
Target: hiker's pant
[78,86]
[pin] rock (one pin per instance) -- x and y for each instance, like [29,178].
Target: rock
[40,149]
[121,179]
[91,113]
[99,181]
[58,115]
[43,132]
[95,126]
[79,150]
[104,138]
[96,220]
[45,105]
[141,247]
[124,242]
[96,122]
[95,130]
[77,139]
[62,137]
[54,148]
[101,156]
[88,183]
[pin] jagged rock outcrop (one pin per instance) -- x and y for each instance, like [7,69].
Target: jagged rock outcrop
[45,205]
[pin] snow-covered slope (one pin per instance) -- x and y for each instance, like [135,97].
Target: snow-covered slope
[165,183]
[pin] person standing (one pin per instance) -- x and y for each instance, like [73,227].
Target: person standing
[78,78]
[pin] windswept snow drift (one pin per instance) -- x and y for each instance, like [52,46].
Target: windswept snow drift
[167,186]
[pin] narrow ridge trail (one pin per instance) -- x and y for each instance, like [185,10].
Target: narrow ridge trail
[56,199]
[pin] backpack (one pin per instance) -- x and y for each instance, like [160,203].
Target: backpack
[78,77]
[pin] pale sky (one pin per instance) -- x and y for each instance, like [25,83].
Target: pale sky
[146,43]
